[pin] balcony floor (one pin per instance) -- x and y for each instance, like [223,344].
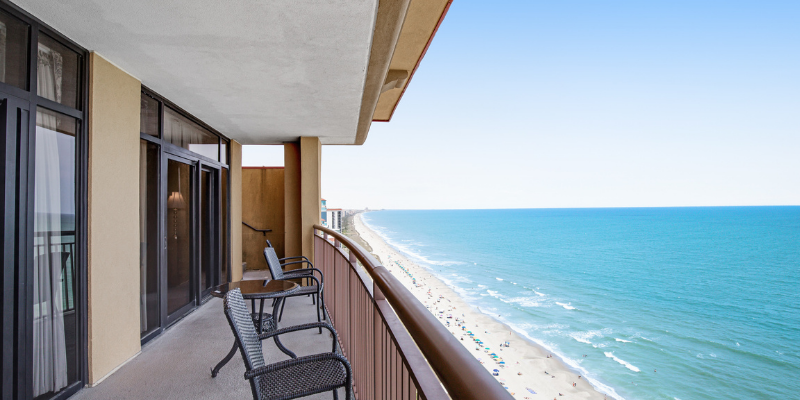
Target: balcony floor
[177,364]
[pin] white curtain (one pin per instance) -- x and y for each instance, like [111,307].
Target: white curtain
[49,347]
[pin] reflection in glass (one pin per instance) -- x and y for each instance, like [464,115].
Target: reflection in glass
[223,210]
[54,297]
[148,119]
[179,240]
[13,51]
[148,235]
[206,250]
[223,151]
[57,72]
[182,132]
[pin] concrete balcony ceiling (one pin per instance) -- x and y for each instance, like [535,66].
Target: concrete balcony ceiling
[260,72]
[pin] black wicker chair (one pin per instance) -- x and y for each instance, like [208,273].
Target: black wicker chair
[301,272]
[315,290]
[290,379]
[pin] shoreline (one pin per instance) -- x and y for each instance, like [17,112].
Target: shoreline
[527,364]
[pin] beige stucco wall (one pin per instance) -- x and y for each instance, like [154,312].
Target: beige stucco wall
[236,210]
[310,191]
[262,208]
[114,107]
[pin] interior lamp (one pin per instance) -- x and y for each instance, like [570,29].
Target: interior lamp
[175,202]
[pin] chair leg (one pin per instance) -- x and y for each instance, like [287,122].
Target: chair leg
[322,304]
[280,317]
[318,318]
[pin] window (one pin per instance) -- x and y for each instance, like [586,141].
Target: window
[57,72]
[13,51]
[182,132]
[148,121]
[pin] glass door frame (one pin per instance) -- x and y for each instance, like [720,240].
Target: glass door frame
[167,318]
[18,164]
[215,222]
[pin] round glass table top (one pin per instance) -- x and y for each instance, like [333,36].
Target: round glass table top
[257,288]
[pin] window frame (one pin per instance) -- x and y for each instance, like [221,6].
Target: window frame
[23,309]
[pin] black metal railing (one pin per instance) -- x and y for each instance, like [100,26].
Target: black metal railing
[46,243]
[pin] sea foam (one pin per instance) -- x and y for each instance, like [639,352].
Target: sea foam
[566,305]
[610,354]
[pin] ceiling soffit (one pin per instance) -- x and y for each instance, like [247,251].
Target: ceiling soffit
[258,72]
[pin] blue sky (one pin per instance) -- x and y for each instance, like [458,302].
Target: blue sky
[589,104]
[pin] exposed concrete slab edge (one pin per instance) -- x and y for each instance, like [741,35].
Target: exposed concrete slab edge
[388,22]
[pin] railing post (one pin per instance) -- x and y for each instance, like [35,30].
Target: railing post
[353,259]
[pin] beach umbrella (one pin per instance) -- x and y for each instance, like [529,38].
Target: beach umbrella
[495,370]
[530,390]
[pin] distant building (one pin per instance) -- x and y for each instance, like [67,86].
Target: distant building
[334,219]
[324,216]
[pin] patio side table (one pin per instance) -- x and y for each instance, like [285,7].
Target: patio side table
[257,290]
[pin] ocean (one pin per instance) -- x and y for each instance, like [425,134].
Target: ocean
[646,303]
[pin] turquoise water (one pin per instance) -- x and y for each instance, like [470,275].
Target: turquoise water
[666,303]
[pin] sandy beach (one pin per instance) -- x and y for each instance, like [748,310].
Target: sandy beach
[527,367]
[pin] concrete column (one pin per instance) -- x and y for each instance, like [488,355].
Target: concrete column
[236,210]
[113,281]
[291,193]
[310,191]
[302,194]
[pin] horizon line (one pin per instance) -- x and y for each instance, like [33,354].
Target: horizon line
[565,208]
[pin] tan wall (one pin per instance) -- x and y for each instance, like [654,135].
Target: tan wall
[236,210]
[262,208]
[310,191]
[291,183]
[114,107]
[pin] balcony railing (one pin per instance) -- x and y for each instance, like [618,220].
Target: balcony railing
[60,242]
[397,349]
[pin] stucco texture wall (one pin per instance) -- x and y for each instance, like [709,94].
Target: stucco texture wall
[262,208]
[113,278]
[310,192]
[236,211]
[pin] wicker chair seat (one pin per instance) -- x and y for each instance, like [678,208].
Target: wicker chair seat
[304,379]
[304,290]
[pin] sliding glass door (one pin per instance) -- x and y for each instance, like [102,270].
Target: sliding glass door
[209,230]
[179,237]
[183,213]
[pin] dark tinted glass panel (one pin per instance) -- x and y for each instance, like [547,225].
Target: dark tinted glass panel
[179,240]
[223,151]
[149,118]
[206,238]
[13,51]
[224,228]
[182,132]
[55,322]
[57,72]
[148,236]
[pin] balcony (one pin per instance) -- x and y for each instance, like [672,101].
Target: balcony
[177,365]
[395,346]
